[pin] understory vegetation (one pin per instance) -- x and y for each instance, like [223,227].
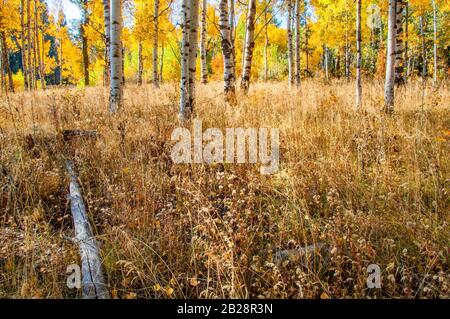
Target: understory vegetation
[372,188]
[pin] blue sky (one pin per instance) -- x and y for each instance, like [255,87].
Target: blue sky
[70,10]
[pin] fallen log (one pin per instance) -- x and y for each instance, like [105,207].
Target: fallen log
[70,134]
[93,283]
[302,255]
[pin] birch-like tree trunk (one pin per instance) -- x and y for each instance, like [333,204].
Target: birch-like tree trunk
[24,44]
[435,74]
[84,40]
[161,68]
[359,55]
[140,64]
[38,49]
[203,53]
[347,58]
[43,55]
[35,65]
[249,46]
[424,48]
[297,44]
[389,89]
[116,58]
[3,85]
[193,51]
[266,44]
[227,51]
[61,61]
[189,57]
[155,44]
[3,65]
[289,43]
[233,35]
[407,58]
[29,60]
[107,22]
[326,62]
[5,62]
[399,44]
[185,107]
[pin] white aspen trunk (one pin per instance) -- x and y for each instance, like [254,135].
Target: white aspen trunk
[435,75]
[35,64]
[193,50]
[399,44]
[326,63]
[203,54]
[289,41]
[84,42]
[42,57]
[347,58]
[407,59]
[233,35]
[23,41]
[8,71]
[3,54]
[297,44]
[29,60]
[359,56]
[4,87]
[155,44]
[227,50]
[161,68]
[140,64]
[38,49]
[243,45]
[266,45]
[185,108]
[107,22]
[189,57]
[249,46]
[389,88]
[61,61]
[424,48]
[116,76]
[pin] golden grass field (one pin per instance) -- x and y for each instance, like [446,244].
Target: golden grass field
[374,188]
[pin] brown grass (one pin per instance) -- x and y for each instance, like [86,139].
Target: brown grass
[374,188]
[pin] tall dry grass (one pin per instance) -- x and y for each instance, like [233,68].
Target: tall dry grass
[373,187]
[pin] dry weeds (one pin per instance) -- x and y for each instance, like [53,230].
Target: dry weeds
[374,188]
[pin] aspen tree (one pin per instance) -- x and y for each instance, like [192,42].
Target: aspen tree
[297,44]
[399,43]
[107,22]
[266,43]
[29,60]
[203,53]
[233,36]
[38,49]
[155,44]
[390,59]
[227,51]
[140,64]
[84,41]
[435,69]
[189,50]
[289,44]
[249,46]
[24,44]
[359,55]
[116,76]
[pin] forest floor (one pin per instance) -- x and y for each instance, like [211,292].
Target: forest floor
[373,188]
